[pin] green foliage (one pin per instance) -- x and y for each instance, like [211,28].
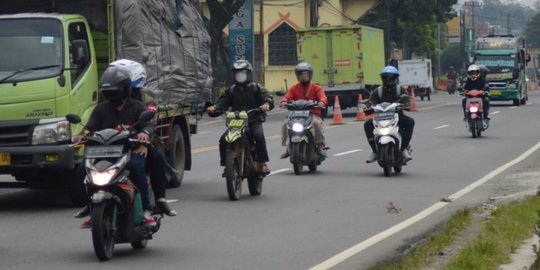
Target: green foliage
[411,22]
[505,15]
[451,56]
[533,31]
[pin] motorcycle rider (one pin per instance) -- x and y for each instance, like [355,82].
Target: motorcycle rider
[390,91]
[452,74]
[245,95]
[306,90]
[117,111]
[156,162]
[476,82]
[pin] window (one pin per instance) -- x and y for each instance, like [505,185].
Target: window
[76,31]
[282,46]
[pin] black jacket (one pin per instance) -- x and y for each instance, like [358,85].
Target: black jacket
[478,84]
[244,98]
[105,115]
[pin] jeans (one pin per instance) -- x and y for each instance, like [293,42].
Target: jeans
[137,174]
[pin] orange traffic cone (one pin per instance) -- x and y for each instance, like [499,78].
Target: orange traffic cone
[413,101]
[361,115]
[338,118]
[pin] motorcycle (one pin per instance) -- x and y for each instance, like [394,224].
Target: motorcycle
[115,203]
[301,145]
[452,86]
[475,120]
[387,137]
[240,161]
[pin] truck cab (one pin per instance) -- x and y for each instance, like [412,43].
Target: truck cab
[48,69]
[505,58]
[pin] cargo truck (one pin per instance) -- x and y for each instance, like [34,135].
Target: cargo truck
[346,60]
[417,75]
[506,58]
[52,53]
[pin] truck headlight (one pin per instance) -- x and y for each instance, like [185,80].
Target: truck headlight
[511,85]
[52,133]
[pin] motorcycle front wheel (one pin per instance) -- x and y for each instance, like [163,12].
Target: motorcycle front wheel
[386,158]
[103,230]
[233,175]
[296,150]
[255,185]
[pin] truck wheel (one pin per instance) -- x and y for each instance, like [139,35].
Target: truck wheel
[75,185]
[177,156]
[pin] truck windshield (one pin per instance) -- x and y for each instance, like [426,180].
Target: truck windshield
[29,43]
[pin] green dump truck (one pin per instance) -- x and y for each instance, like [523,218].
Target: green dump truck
[52,53]
[506,58]
[346,60]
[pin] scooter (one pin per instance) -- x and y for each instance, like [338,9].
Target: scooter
[302,148]
[115,203]
[240,161]
[475,119]
[387,137]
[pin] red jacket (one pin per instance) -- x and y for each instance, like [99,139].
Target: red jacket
[311,92]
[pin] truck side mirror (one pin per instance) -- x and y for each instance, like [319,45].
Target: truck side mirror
[73,118]
[80,52]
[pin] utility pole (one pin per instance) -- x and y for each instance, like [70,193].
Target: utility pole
[314,13]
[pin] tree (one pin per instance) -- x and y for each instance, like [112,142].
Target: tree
[221,14]
[411,23]
[533,31]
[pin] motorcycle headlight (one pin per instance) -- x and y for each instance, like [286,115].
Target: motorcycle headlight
[384,130]
[473,109]
[104,177]
[52,133]
[297,127]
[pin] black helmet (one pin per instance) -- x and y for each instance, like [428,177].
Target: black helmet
[300,69]
[115,83]
[242,71]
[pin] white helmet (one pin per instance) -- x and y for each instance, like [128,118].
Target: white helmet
[473,69]
[136,71]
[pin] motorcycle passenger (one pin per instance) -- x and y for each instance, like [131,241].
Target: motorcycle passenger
[390,92]
[306,90]
[156,162]
[476,82]
[117,111]
[245,95]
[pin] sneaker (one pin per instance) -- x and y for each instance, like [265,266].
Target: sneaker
[163,207]
[224,173]
[264,168]
[149,221]
[321,150]
[83,212]
[372,157]
[87,224]
[406,156]
[285,155]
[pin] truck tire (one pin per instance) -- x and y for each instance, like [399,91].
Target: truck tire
[177,156]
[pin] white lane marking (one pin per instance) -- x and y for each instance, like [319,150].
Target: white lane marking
[339,258]
[495,112]
[279,171]
[348,152]
[443,126]
[204,132]
[513,107]
[171,201]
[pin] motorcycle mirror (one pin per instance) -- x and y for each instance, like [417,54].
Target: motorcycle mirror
[73,118]
[146,116]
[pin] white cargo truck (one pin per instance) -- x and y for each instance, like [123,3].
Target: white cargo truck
[417,74]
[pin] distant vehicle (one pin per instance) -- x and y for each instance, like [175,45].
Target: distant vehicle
[346,60]
[416,73]
[506,58]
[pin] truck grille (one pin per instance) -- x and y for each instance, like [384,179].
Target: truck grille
[16,134]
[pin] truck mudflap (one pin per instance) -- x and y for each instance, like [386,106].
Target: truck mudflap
[29,158]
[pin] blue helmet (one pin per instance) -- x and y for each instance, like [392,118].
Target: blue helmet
[389,75]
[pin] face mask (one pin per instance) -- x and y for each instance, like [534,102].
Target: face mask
[241,76]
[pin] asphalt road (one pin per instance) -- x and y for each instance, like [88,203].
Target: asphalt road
[299,222]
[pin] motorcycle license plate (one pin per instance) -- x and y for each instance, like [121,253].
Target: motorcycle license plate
[384,115]
[296,139]
[5,159]
[104,151]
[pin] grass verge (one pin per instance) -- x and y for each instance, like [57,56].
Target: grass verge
[501,234]
[423,254]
